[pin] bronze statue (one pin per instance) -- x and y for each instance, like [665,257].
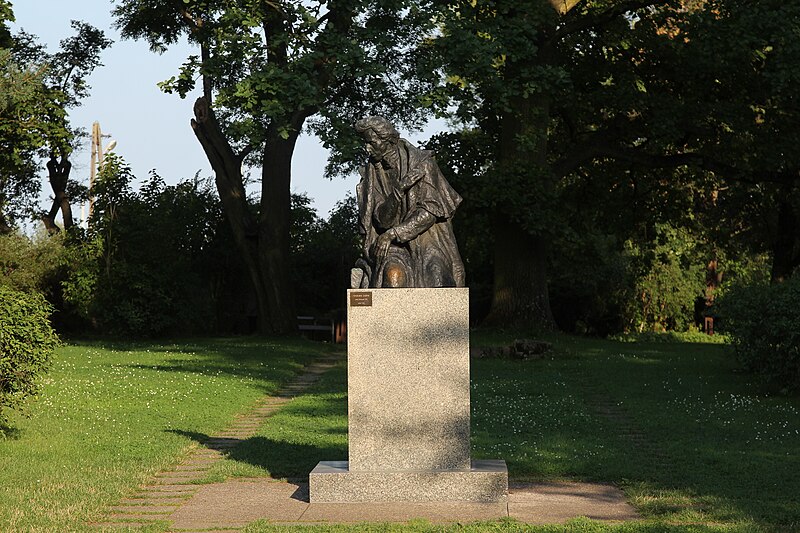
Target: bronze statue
[405,210]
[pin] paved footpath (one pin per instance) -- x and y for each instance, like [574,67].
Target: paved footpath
[171,495]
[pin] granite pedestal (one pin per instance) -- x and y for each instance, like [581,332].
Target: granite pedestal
[408,404]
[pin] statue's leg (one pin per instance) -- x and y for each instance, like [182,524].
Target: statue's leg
[395,275]
[396,271]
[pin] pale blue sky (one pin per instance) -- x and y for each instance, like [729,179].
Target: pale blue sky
[151,128]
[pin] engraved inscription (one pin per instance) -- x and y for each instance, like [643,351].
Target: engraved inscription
[361,299]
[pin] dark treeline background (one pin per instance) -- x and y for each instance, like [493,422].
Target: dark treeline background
[626,166]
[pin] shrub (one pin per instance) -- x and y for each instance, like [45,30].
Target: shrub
[763,322]
[163,256]
[27,341]
[670,275]
[31,264]
[693,335]
[79,286]
[590,284]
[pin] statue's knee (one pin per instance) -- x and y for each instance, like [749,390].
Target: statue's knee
[394,276]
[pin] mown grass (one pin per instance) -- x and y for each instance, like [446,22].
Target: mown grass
[690,440]
[113,414]
[694,444]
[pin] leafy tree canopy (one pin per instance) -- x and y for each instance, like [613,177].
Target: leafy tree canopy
[38,89]
[269,69]
[270,63]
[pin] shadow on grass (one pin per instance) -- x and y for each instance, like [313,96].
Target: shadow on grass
[9,432]
[280,458]
[237,348]
[309,429]
[272,375]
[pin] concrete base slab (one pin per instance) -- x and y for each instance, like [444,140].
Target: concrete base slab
[234,504]
[547,503]
[237,503]
[438,512]
[334,482]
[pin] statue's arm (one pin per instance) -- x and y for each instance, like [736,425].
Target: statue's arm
[417,222]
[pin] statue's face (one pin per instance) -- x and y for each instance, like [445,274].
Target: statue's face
[377,148]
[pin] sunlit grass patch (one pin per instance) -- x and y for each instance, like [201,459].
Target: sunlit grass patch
[113,414]
[695,446]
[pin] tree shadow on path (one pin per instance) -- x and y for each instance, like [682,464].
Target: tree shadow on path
[283,460]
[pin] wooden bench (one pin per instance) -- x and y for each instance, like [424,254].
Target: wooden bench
[311,324]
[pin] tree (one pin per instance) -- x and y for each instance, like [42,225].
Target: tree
[39,89]
[725,116]
[750,85]
[551,88]
[644,95]
[267,68]
[65,86]
[21,108]
[323,253]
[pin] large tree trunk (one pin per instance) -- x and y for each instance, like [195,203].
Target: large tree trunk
[273,228]
[784,254]
[58,173]
[260,244]
[520,296]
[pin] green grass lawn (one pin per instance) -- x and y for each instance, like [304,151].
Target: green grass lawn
[113,414]
[695,445]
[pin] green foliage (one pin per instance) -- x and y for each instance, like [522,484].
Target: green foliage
[27,342]
[670,276]
[32,264]
[159,260]
[742,267]
[607,119]
[764,323]
[22,112]
[592,284]
[744,61]
[6,15]
[77,58]
[323,252]
[79,283]
[62,267]
[464,158]
[55,266]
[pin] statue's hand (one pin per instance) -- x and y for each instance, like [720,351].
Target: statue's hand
[382,245]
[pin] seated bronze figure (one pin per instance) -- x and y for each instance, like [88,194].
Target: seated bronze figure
[405,210]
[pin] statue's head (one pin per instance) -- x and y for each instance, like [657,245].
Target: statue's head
[379,134]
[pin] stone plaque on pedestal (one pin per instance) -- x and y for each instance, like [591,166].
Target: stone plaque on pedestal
[408,404]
